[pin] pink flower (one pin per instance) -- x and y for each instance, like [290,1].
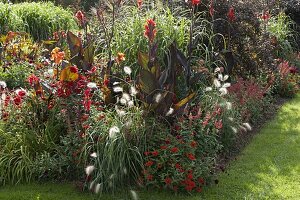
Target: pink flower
[218,124]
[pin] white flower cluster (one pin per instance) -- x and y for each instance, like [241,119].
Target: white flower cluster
[220,83]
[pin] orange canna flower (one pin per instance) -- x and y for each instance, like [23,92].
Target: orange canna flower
[121,57]
[57,56]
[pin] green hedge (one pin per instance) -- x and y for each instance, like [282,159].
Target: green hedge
[39,19]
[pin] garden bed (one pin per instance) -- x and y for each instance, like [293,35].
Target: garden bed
[163,101]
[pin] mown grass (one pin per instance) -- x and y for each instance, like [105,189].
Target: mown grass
[269,168]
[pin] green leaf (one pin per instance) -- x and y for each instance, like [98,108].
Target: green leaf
[147,81]
[143,60]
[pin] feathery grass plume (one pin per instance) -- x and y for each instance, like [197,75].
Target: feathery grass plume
[133,91]
[94,155]
[157,97]
[208,89]
[247,126]
[92,85]
[170,112]
[113,132]
[127,70]
[217,83]
[134,195]
[118,89]
[89,170]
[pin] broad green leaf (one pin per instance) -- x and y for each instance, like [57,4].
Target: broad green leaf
[143,60]
[147,81]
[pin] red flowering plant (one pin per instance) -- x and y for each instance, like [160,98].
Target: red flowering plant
[249,98]
[287,82]
[173,161]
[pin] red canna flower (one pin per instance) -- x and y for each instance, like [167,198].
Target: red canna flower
[174,150]
[80,17]
[265,16]
[149,163]
[231,15]
[150,30]
[196,2]
[168,181]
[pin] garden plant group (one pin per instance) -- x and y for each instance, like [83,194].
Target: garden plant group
[124,95]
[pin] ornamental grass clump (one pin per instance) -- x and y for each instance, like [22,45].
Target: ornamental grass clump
[40,19]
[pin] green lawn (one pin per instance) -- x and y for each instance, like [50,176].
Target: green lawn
[269,168]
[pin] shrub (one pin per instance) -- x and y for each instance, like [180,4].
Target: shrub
[38,19]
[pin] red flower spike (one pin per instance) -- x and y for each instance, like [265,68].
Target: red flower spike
[219,124]
[150,30]
[80,17]
[231,15]
[211,9]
